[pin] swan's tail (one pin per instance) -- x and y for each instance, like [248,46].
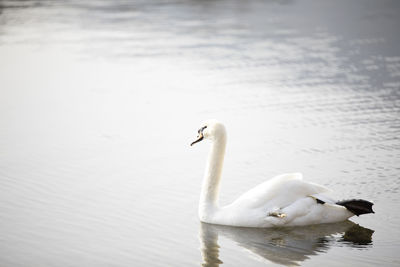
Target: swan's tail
[357,206]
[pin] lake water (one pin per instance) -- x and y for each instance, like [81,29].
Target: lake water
[99,101]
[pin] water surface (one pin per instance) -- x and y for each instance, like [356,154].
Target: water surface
[99,101]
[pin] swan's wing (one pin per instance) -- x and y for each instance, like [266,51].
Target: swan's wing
[279,192]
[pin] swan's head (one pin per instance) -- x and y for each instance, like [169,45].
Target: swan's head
[211,129]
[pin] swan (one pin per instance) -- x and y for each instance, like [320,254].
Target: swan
[285,200]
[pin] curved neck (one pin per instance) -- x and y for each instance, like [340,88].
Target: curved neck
[212,177]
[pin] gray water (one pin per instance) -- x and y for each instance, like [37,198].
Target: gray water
[99,101]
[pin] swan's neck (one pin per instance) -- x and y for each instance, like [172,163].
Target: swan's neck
[212,177]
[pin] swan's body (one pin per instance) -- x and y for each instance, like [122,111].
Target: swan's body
[285,200]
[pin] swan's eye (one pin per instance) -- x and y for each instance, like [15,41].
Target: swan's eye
[201,130]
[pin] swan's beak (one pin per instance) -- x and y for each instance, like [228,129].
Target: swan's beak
[199,138]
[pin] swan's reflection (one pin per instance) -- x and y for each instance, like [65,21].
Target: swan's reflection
[286,246]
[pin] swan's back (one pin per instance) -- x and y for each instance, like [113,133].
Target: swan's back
[278,192]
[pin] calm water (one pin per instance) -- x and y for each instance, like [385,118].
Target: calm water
[99,101]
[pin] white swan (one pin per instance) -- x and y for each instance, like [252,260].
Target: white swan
[285,200]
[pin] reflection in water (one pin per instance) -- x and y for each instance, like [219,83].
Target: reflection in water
[286,246]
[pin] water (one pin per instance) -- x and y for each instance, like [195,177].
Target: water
[99,101]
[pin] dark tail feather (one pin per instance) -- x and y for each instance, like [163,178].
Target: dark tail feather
[357,206]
